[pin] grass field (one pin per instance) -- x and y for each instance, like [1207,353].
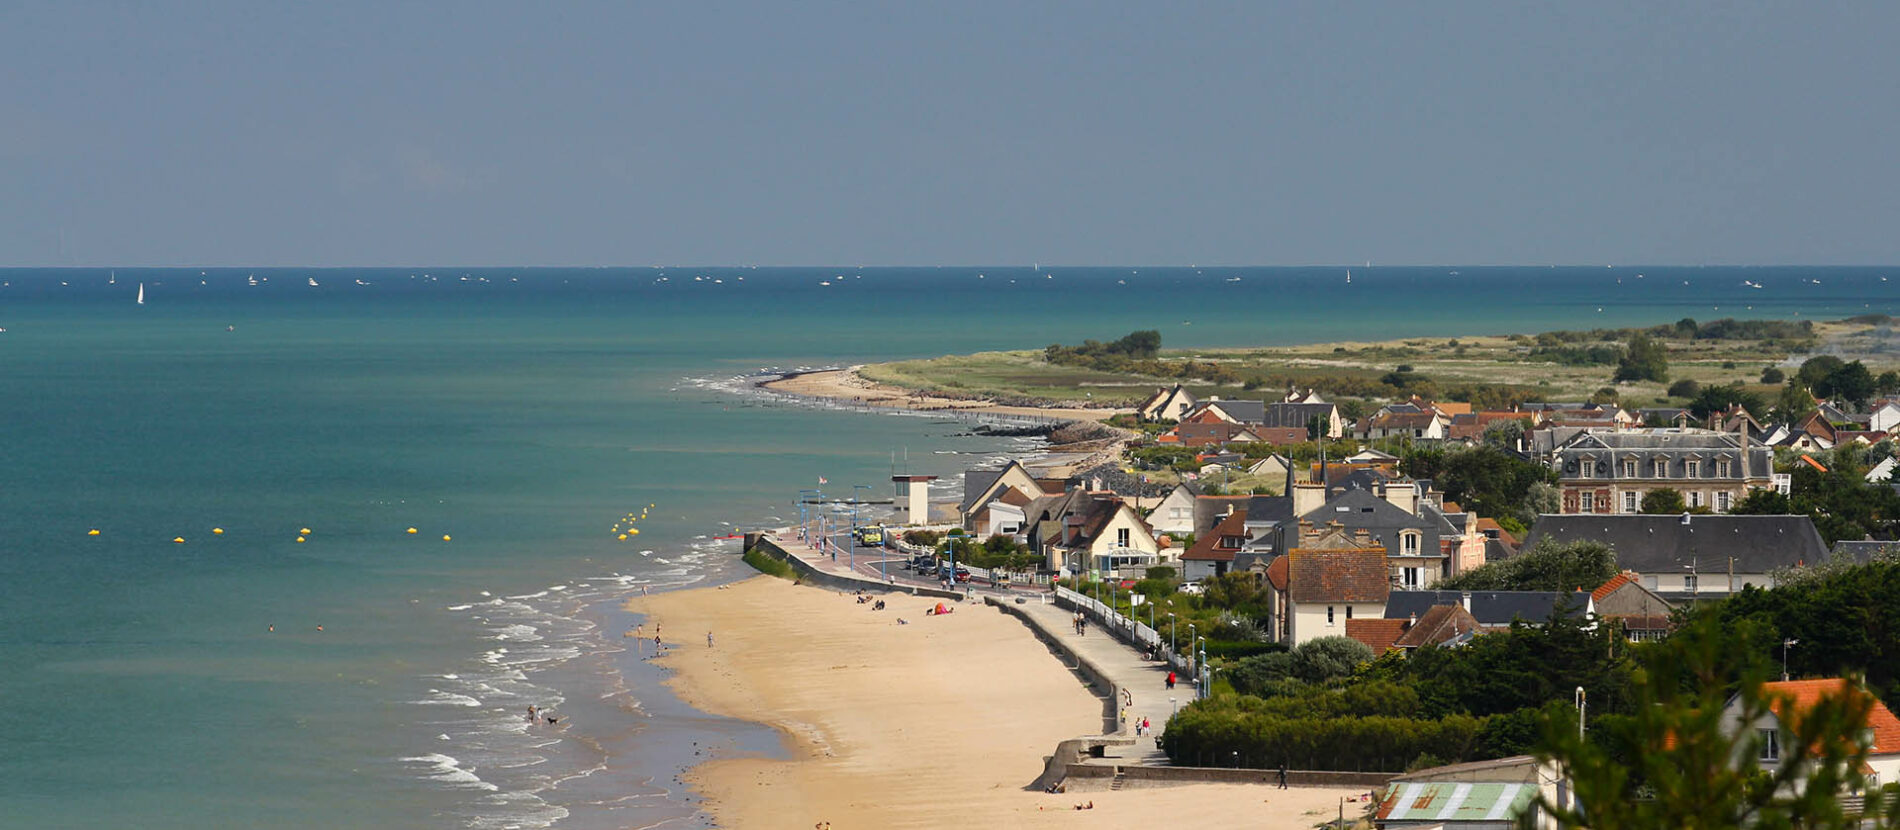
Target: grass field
[1354,369]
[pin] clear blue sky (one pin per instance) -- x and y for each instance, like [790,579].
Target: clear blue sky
[448,133]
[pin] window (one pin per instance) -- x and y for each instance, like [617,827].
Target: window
[1586,466]
[1629,469]
[1692,468]
[1408,542]
[1660,468]
[1349,612]
[1695,498]
[1688,583]
[1722,500]
[1722,468]
[1408,577]
[1629,501]
[1588,501]
[1121,537]
[1770,744]
[1329,615]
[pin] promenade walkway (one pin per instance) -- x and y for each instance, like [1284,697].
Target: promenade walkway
[1144,681]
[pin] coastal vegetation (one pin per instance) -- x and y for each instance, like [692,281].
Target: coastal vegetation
[766,564]
[1728,360]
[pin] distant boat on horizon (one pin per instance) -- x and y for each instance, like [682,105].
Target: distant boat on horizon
[313,282]
[141,299]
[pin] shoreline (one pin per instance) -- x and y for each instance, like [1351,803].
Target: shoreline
[941,722]
[848,386]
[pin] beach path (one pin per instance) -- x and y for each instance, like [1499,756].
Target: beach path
[1145,681]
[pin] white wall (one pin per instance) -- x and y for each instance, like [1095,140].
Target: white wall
[1309,619]
[1707,582]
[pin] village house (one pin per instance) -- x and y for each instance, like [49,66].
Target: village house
[1884,416]
[1602,471]
[1441,625]
[1214,552]
[1791,698]
[1425,425]
[1304,417]
[982,487]
[1642,613]
[1167,404]
[1682,557]
[1080,529]
[1492,609]
[1334,576]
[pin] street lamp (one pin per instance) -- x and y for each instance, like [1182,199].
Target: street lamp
[1784,657]
[1173,648]
[1581,706]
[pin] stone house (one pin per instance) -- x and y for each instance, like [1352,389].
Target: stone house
[1600,471]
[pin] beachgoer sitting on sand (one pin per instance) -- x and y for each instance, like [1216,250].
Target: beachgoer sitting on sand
[902,621]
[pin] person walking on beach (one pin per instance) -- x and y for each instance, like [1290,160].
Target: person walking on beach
[1283,775]
[709,643]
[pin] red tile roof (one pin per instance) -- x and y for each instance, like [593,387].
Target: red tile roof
[1803,694]
[1378,635]
[1207,546]
[1353,575]
[1439,624]
[1610,587]
[1277,572]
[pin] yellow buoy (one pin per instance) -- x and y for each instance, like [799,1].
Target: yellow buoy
[305,531]
[634,530]
[412,530]
[300,540]
[623,537]
[445,537]
[180,540]
[93,532]
[217,531]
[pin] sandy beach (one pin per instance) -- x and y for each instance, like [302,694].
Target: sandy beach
[847,385]
[940,722]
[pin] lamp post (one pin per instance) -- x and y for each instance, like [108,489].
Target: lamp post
[1784,657]
[1581,706]
[1173,645]
[1191,638]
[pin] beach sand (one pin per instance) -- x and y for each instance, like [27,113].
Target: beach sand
[849,386]
[938,723]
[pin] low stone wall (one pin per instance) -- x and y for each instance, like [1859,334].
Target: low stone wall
[1163,776]
[842,582]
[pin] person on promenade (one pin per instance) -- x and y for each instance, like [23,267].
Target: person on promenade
[1283,775]
[1171,680]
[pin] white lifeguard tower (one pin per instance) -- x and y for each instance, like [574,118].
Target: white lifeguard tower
[912,496]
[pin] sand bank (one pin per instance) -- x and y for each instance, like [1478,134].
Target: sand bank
[848,386]
[938,723]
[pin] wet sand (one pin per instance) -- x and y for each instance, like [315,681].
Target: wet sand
[846,385]
[938,723]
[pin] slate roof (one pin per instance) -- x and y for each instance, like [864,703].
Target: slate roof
[1862,551]
[975,482]
[1667,544]
[1208,510]
[1361,510]
[1337,576]
[1490,608]
[1297,414]
[1246,412]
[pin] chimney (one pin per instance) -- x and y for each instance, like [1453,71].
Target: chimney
[1095,484]
[1308,498]
[1467,602]
[1685,519]
[1411,622]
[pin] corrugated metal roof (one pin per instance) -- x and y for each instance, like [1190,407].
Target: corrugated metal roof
[1456,802]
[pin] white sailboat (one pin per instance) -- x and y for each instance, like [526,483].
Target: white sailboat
[141,299]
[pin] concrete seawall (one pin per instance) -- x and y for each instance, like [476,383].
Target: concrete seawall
[809,574]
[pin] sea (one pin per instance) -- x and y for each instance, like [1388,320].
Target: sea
[255,636]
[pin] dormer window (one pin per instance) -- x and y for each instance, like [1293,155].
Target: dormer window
[1659,468]
[1409,542]
[1629,468]
[1722,468]
[1770,745]
[1691,468]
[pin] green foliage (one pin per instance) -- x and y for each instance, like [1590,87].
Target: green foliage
[1606,394]
[1840,611]
[1816,369]
[1485,479]
[1794,402]
[1675,761]
[1841,502]
[1326,658]
[1160,572]
[926,538]
[1685,388]
[1773,376]
[1718,398]
[1646,359]
[1523,667]
[1597,355]
[1154,589]
[1546,566]
[765,564]
[1664,500]
[1851,382]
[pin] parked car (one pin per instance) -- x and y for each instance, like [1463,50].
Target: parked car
[1193,589]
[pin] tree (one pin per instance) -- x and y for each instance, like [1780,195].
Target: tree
[1851,382]
[1685,388]
[1675,761]
[1325,658]
[1794,402]
[1604,395]
[1664,500]
[1773,376]
[1489,481]
[1719,398]
[1547,566]
[1646,359]
[1888,383]
[1505,434]
[1816,369]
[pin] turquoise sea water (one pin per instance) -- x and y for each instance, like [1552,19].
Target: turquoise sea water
[522,412]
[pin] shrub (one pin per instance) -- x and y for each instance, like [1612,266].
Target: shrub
[766,564]
[1685,388]
[1774,376]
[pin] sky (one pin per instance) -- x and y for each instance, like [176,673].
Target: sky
[984,133]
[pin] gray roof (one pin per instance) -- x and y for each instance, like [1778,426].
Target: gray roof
[1209,510]
[1673,544]
[974,483]
[1864,550]
[1662,438]
[1490,607]
[1361,510]
[1297,414]
[1246,412]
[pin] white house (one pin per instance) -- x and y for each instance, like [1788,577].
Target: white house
[1167,404]
[1885,417]
[1792,697]
[1331,578]
[1175,513]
